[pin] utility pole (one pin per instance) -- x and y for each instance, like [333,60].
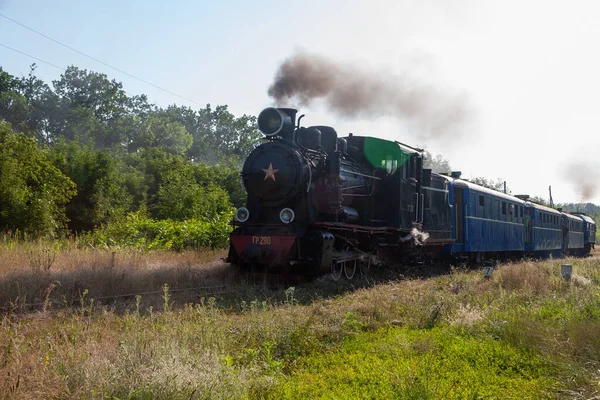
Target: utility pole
[551,201]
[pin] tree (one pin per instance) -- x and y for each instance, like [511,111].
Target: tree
[436,163]
[539,200]
[497,185]
[124,154]
[13,105]
[95,109]
[162,132]
[33,192]
[181,198]
[216,133]
[101,179]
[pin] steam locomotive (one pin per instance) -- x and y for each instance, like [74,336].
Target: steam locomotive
[318,203]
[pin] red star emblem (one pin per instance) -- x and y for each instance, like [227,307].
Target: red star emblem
[270,172]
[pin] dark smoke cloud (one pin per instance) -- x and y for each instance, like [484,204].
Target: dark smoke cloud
[352,91]
[583,176]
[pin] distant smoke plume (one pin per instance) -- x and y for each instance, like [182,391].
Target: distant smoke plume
[584,177]
[351,91]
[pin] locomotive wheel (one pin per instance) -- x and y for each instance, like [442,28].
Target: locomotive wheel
[350,269]
[336,270]
[365,266]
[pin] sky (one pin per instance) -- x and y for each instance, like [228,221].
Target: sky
[528,70]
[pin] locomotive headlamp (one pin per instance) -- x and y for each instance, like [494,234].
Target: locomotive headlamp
[287,215]
[242,214]
[276,121]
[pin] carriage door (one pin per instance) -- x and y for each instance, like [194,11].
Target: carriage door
[528,225]
[459,211]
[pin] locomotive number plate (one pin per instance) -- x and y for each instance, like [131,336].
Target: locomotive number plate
[261,239]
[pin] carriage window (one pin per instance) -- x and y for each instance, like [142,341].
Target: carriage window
[521,211]
[488,208]
[497,209]
[480,212]
[503,211]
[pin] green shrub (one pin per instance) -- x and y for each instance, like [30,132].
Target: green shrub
[144,233]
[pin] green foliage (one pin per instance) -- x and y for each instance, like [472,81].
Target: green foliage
[216,132]
[137,231]
[180,199]
[13,104]
[103,193]
[400,363]
[33,192]
[163,133]
[125,154]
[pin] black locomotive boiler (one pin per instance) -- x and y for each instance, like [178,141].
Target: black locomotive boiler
[319,203]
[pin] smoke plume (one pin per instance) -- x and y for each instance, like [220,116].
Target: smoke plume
[352,91]
[584,178]
[417,236]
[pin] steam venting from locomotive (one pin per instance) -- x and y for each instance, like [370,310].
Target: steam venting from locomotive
[351,91]
[581,175]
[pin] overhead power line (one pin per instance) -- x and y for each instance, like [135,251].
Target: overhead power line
[96,60]
[35,58]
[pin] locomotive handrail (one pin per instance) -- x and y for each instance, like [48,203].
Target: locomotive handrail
[360,174]
[422,206]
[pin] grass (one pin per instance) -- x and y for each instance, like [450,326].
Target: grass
[45,275]
[525,333]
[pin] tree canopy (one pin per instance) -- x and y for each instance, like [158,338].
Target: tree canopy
[81,153]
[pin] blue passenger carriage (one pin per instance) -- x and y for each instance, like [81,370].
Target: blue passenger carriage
[589,232]
[543,230]
[573,233]
[486,222]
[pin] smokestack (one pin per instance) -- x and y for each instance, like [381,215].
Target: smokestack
[292,114]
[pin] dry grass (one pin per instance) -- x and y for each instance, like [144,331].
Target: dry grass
[36,277]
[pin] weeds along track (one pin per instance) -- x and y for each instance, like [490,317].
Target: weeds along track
[35,279]
[109,278]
